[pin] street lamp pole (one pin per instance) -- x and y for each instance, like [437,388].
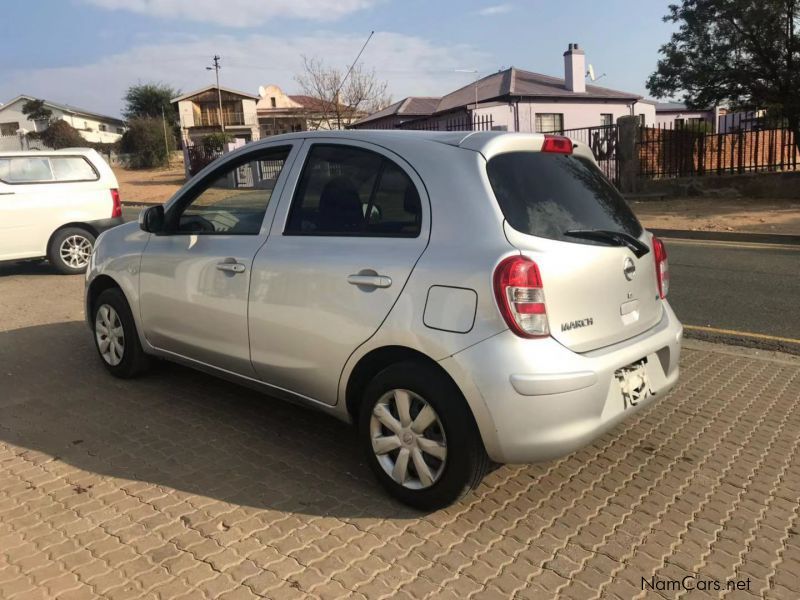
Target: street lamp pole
[475,85]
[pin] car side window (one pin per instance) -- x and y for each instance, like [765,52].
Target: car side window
[25,170]
[232,200]
[73,168]
[348,191]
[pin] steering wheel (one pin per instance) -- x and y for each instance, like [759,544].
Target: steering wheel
[196,223]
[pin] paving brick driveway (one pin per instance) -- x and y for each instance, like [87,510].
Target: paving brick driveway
[178,485]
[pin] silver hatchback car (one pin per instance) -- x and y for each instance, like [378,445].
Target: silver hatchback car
[464,298]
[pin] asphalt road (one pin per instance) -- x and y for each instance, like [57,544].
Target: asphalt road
[750,289]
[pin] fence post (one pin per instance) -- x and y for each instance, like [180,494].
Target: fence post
[628,153]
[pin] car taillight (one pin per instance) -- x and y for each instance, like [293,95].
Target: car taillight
[557,144]
[116,211]
[662,266]
[520,297]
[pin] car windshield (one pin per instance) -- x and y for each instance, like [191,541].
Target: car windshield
[548,195]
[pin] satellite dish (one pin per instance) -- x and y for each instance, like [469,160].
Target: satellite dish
[590,72]
[262,90]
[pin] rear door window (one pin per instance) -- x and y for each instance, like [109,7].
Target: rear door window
[349,191]
[546,195]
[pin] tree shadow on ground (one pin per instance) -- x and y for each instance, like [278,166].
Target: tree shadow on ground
[179,428]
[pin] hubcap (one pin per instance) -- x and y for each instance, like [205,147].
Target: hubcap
[408,439]
[76,251]
[110,335]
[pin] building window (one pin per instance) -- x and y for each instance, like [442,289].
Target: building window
[679,123]
[9,128]
[103,127]
[272,102]
[606,119]
[549,122]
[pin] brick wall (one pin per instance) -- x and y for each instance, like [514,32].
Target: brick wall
[678,152]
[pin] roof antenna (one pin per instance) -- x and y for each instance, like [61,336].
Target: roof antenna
[346,75]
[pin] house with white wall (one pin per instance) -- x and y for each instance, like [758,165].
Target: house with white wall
[212,110]
[518,100]
[92,126]
[674,115]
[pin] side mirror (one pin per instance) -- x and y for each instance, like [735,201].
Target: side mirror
[151,219]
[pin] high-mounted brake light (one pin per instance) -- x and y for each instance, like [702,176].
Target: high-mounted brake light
[520,297]
[662,266]
[557,144]
[116,211]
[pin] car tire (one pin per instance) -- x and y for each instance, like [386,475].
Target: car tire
[70,250]
[115,335]
[444,454]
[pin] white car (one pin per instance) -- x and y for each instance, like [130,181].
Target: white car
[54,204]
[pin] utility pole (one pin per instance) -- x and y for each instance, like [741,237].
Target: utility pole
[166,142]
[216,69]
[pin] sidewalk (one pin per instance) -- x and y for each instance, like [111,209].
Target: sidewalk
[179,485]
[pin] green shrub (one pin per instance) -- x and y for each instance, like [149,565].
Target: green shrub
[215,142]
[144,141]
[60,134]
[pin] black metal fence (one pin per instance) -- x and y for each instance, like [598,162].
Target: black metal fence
[692,150]
[459,123]
[602,140]
[668,151]
[199,156]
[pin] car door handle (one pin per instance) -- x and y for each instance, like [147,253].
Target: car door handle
[381,281]
[231,267]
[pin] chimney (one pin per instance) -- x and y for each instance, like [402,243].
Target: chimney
[575,69]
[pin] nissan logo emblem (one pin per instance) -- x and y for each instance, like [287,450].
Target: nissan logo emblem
[628,268]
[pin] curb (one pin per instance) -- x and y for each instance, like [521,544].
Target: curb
[785,347]
[729,236]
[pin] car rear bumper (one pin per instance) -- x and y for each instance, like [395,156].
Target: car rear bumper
[101,225]
[536,400]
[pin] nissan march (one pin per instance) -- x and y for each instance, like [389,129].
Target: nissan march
[464,298]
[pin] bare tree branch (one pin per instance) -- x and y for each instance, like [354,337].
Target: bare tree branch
[341,102]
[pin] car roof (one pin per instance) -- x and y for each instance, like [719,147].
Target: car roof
[65,151]
[479,141]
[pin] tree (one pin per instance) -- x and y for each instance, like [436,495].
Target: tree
[61,134]
[35,110]
[144,141]
[742,52]
[339,104]
[148,100]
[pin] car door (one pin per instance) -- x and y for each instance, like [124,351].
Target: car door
[27,194]
[353,223]
[195,276]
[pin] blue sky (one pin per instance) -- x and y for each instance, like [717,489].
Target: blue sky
[87,52]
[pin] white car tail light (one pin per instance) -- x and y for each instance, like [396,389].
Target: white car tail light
[662,266]
[520,297]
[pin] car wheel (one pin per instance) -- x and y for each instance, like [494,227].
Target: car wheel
[115,335]
[419,437]
[70,250]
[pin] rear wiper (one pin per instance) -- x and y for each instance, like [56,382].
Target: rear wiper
[618,238]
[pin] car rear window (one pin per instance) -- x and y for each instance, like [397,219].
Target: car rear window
[546,194]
